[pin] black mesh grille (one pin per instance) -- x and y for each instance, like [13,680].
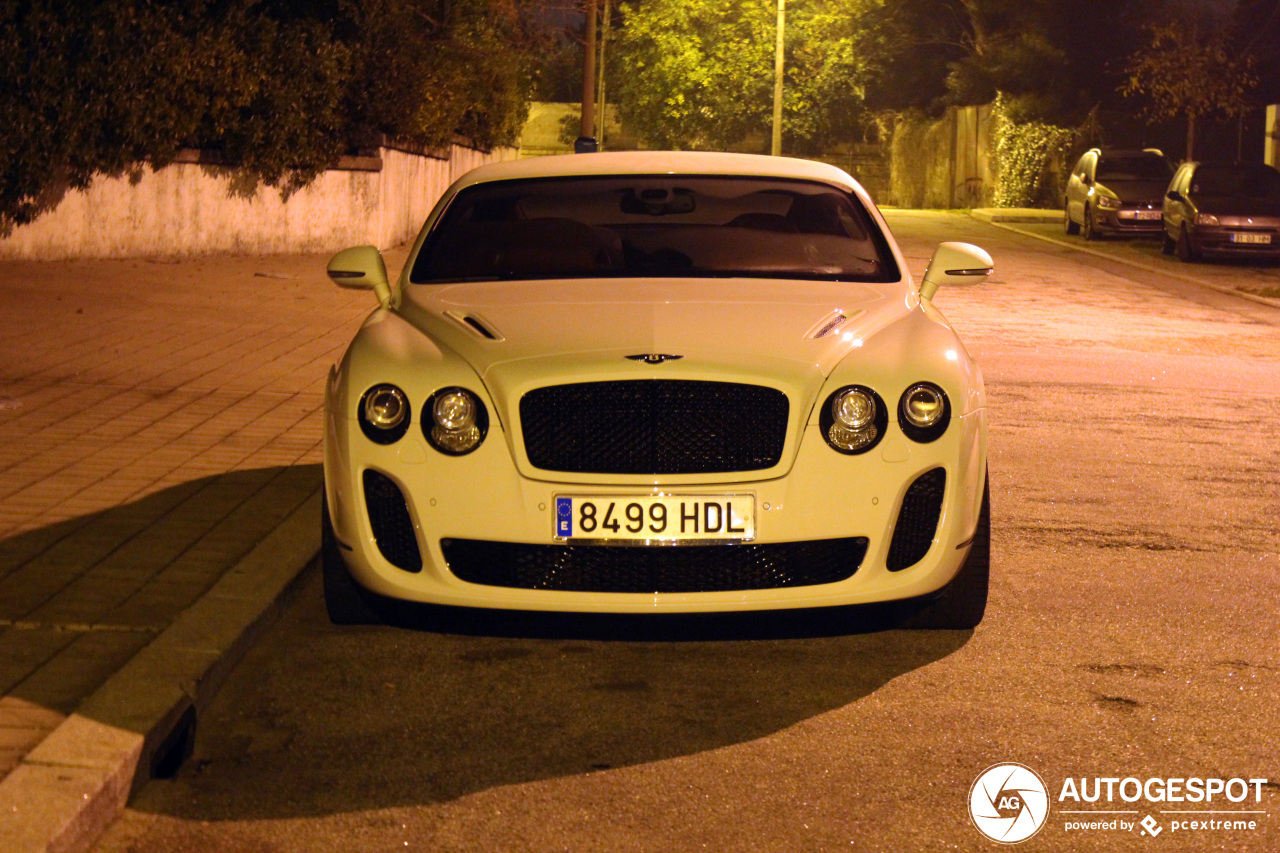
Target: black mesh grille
[917,520]
[646,569]
[392,526]
[654,426]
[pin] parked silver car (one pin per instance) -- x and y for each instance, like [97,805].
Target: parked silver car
[1116,192]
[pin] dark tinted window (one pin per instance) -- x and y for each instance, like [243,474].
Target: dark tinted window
[657,226]
[1138,168]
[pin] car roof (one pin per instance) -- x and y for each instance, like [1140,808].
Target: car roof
[1128,152]
[659,163]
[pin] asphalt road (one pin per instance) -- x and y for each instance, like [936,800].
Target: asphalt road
[1131,634]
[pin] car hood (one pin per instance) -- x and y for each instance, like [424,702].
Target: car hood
[519,335]
[1234,205]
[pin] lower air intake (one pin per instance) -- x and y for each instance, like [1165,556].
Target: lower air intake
[391,523]
[917,520]
[654,569]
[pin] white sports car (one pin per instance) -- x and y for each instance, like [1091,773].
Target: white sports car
[656,382]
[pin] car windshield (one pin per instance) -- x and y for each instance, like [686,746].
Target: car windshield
[654,226]
[1144,168]
[1242,181]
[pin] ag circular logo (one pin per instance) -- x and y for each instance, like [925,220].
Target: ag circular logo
[1008,803]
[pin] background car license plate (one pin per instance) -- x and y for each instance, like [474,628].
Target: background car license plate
[1147,214]
[667,518]
[1237,237]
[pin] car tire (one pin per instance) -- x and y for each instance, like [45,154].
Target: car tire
[1167,243]
[1090,233]
[1183,248]
[346,601]
[962,603]
[1072,228]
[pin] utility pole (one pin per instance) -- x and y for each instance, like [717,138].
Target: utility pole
[586,142]
[776,148]
[603,105]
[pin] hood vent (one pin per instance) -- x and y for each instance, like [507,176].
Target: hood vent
[475,324]
[828,325]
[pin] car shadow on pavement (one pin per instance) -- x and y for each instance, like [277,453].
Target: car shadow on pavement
[325,720]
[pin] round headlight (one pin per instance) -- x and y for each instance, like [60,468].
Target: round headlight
[384,414]
[924,412]
[853,408]
[853,420]
[458,421]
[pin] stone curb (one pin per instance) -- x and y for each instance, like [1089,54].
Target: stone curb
[141,723]
[1015,214]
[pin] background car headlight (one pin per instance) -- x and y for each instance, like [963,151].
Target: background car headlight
[1206,219]
[924,412]
[853,419]
[1107,202]
[384,414]
[457,421]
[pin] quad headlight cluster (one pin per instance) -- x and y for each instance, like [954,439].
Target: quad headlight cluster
[855,418]
[454,420]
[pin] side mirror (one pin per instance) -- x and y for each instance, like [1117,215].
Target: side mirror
[1173,195]
[955,263]
[362,268]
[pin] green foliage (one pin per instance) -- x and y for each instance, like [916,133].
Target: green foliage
[281,88]
[700,73]
[1184,73]
[1029,158]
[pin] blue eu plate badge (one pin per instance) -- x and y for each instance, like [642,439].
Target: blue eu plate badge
[564,517]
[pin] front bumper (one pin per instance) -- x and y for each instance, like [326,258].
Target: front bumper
[1127,220]
[1219,241]
[478,506]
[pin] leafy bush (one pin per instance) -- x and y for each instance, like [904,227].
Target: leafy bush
[1029,157]
[280,88]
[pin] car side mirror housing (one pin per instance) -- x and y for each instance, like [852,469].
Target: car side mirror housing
[955,263]
[362,268]
[1173,195]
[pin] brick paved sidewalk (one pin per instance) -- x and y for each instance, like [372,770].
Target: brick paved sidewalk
[157,420]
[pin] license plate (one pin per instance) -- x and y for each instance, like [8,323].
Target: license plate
[1147,214]
[655,519]
[1250,238]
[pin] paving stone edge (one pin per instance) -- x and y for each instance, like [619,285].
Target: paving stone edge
[72,786]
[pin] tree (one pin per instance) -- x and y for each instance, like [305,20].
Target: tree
[1184,73]
[280,88]
[699,73]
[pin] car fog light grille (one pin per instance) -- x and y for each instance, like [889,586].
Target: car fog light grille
[917,520]
[656,569]
[391,523]
[654,426]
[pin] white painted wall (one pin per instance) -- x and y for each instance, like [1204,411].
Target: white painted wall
[188,209]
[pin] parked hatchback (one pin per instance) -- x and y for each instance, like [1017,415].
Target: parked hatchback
[1116,192]
[1222,209]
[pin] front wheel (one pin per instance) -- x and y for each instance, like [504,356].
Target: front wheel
[1185,251]
[1090,232]
[962,603]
